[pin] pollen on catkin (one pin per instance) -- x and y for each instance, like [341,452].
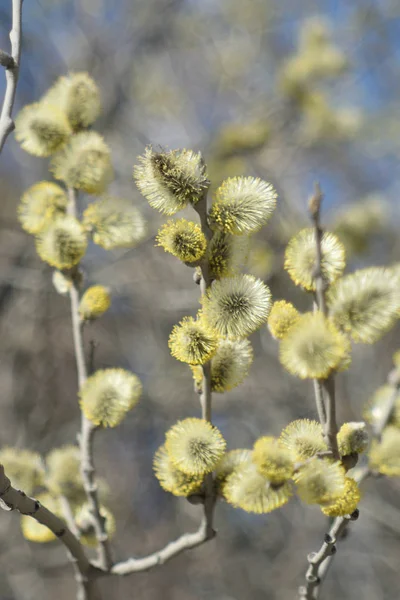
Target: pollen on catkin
[226,254]
[237,306]
[384,456]
[79,98]
[172,479]
[314,347]
[195,446]
[352,438]
[273,460]
[347,503]
[301,255]
[107,396]
[23,467]
[303,438]
[84,164]
[63,243]
[247,489]
[376,408]
[193,341]
[94,302]
[84,522]
[114,223]
[171,180]
[229,463]
[365,304]
[229,365]
[184,239]
[282,317]
[242,205]
[42,129]
[32,530]
[320,481]
[40,205]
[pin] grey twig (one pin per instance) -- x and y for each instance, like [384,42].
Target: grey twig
[319,562]
[393,380]
[206,395]
[185,542]
[11,64]
[86,586]
[87,431]
[324,389]
[13,499]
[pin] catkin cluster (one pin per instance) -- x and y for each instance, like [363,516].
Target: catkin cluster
[234,305]
[57,127]
[360,308]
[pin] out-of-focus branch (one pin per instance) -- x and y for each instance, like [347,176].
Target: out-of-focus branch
[319,562]
[11,63]
[12,499]
[86,586]
[324,389]
[87,431]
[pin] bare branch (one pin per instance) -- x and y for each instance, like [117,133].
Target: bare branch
[324,389]
[86,586]
[185,542]
[11,63]
[393,380]
[319,562]
[12,499]
[87,431]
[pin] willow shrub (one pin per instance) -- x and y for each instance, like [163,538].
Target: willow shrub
[312,459]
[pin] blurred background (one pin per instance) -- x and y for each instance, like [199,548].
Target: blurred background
[292,92]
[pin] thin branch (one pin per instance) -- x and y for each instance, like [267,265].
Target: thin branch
[205,531]
[324,389]
[316,559]
[86,586]
[319,562]
[319,400]
[11,63]
[210,497]
[87,431]
[314,206]
[393,380]
[185,542]
[13,499]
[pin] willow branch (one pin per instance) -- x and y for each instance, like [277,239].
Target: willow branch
[13,499]
[205,531]
[11,63]
[393,380]
[86,587]
[86,435]
[324,389]
[184,542]
[319,562]
[210,497]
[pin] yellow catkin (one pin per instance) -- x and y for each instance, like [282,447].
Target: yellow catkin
[94,302]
